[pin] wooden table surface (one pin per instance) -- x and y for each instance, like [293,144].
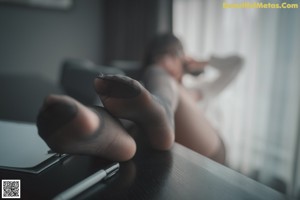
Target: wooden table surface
[176,174]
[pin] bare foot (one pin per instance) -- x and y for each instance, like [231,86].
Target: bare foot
[126,98]
[69,127]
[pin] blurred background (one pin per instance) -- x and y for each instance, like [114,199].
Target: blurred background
[259,111]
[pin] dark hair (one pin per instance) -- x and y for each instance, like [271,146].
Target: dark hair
[161,45]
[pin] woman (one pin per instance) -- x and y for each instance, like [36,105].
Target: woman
[163,108]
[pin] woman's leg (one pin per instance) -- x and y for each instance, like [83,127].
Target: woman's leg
[69,127]
[194,130]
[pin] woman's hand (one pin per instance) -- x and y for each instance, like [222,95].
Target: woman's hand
[193,66]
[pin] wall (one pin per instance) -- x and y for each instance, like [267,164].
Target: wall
[126,37]
[37,40]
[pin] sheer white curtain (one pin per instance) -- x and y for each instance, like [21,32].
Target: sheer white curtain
[260,109]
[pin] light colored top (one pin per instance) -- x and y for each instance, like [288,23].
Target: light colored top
[219,73]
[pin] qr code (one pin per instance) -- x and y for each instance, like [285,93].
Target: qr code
[11,189]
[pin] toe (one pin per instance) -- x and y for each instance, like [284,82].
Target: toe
[117,86]
[54,115]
